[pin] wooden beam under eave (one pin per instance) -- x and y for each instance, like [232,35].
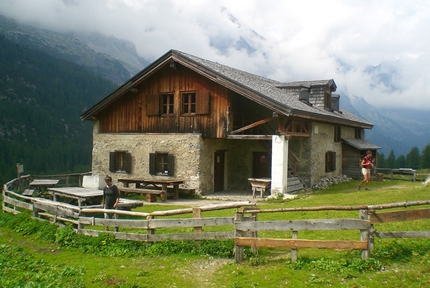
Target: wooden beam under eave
[249,137]
[293,134]
[260,122]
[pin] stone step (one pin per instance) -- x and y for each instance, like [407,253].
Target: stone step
[294,184]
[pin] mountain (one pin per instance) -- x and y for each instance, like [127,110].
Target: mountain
[109,57]
[394,129]
[41,100]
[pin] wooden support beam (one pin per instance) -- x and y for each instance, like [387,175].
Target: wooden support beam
[260,122]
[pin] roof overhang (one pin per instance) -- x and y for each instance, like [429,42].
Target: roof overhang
[360,144]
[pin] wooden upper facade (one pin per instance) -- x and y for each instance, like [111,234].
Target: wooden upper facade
[181,93]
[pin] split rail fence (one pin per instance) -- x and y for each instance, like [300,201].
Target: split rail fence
[244,227]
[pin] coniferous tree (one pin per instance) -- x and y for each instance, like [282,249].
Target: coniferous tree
[413,158]
[391,160]
[401,161]
[381,160]
[425,157]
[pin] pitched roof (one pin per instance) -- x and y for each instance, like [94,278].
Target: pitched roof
[360,144]
[266,92]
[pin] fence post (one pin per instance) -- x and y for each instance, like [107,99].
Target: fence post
[197,214]
[253,234]
[364,234]
[149,231]
[238,250]
[294,252]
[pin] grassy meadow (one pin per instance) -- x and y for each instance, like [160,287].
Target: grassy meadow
[39,254]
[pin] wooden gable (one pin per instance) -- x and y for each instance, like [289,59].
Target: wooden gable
[170,101]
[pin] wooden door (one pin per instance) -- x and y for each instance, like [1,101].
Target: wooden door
[261,165]
[219,170]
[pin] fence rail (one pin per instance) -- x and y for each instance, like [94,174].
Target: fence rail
[244,227]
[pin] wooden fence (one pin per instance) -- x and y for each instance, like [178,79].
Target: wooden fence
[137,226]
[244,227]
[247,228]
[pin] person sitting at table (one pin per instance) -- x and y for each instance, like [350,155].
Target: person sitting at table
[110,197]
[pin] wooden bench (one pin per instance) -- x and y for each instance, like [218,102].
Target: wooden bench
[28,192]
[151,194]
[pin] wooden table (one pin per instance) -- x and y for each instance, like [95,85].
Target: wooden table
[259,185]
[157,184]
[88,196]
[43,184]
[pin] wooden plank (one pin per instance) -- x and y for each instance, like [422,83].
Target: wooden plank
[44,182]
[260,122]
[140,190]
[130,223]
[55,204]
[299,225]
[189,222]
[400,216]
[404,234]
[114,211]
[58,210]
[17,203]
[118,235]
[19,196]
[301,243]
[10,210]
[192,236]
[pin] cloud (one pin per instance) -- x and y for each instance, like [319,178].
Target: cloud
[374,49]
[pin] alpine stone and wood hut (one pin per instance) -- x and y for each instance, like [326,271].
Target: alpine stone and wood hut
[214,127]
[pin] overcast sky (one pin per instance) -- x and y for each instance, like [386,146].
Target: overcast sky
[378,50]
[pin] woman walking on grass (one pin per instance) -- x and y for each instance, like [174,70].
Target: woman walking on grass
[366,166]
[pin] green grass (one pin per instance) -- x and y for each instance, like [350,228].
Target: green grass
[35,254]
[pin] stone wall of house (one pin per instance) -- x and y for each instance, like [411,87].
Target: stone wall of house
[186,148]
[322,140]
[311,152]
[194,158]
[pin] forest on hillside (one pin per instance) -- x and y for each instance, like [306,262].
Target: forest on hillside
[42,98]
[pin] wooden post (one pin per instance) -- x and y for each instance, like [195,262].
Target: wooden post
[176,191]
[238,250]
[149,231]
[164,192]
[364,234]
[197,214]
[19,170]
[294,252]
[255,233]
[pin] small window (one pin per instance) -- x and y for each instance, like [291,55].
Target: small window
[330,161]
[120,161]
[167,104]
[337,134]
[327,101]
[188,103]
[358,133]
[161,164]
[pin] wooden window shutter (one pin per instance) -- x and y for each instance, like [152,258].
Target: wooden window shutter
[112,161]
[171,162]
[153,105]
[152,163]
[333,160]
[128,162]
[202,102]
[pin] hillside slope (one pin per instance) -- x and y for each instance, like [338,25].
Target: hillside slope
[41,100]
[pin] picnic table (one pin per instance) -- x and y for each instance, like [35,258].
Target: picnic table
[40,185]
[151,187]
[88,196]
